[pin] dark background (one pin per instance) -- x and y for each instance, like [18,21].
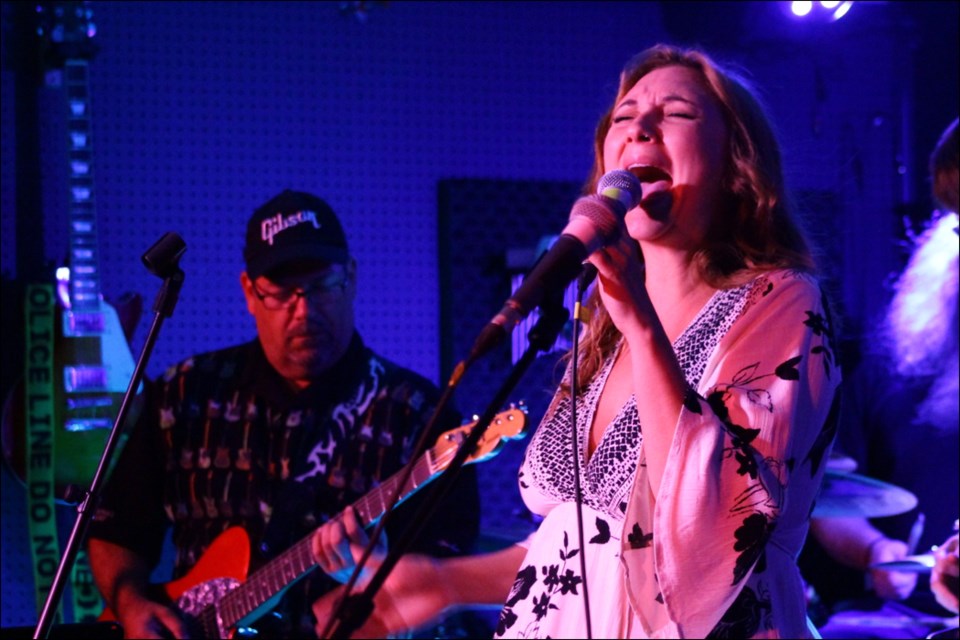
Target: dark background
[445,134]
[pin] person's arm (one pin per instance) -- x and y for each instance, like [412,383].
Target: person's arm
[855,543]
[126,535]
[123,577]
[945,577]
[748,452]
[656,374]
[421,588]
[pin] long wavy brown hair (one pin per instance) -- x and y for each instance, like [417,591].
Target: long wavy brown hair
[754,230]
[945,168]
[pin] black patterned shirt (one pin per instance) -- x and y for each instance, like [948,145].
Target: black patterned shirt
[224,442]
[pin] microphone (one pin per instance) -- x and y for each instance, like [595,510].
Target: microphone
[594,223]
[162,259]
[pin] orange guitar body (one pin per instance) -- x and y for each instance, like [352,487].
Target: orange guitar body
[227,557]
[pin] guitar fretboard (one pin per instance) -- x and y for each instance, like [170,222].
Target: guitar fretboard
[291,565]
[84,261]
[267,583]
[375,503]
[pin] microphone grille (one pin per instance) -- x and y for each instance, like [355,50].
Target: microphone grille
[600,212]
[621,186]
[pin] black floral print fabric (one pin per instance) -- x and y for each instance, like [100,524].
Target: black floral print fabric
[760,359]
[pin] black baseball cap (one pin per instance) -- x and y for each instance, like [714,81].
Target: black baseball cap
[293,226]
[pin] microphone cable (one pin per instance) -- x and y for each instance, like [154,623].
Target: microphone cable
[579,316]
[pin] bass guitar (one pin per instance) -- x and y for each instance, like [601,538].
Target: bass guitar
[218,596]
[93,363]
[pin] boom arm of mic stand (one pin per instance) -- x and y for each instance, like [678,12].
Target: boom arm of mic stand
[163,307]
[356,608]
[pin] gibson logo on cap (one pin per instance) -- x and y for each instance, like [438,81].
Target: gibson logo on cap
[272,226]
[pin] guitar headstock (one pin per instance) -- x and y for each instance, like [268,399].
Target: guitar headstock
[506,425]
[66,31]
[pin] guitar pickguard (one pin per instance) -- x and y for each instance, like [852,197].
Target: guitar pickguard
[199,603]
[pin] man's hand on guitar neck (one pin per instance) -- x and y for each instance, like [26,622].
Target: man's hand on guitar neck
[124,577]
[339,544]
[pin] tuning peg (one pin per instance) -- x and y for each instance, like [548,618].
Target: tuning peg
[521,405]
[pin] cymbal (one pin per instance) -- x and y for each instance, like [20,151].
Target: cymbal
[841,463]
[846,495]
[922,563]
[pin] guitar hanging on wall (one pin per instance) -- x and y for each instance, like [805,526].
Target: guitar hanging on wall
[92,361]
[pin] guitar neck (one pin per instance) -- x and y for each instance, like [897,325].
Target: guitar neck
[266,583]
[373,505]
[272,579]
[84,262]
[245,602]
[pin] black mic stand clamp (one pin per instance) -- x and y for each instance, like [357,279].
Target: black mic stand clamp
[355,608]
[162,260]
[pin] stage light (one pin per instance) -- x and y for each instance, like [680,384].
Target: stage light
[842,10]
[826,10]
[801,9]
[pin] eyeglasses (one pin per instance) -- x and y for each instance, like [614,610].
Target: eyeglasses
[325,290]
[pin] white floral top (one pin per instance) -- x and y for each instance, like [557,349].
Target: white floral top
[714,554]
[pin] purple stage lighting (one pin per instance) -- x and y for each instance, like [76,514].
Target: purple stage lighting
[801,8]
[827,10]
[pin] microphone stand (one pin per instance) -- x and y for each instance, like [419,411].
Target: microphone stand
[162,260]
[355,608]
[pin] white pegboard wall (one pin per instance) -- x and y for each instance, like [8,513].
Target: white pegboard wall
[205,110]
